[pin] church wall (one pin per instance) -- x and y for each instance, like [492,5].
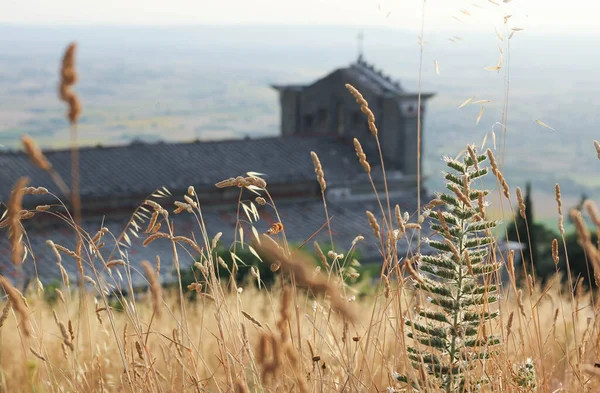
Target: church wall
[289,107]
[343,115]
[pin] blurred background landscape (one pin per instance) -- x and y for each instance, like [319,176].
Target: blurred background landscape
[210,82]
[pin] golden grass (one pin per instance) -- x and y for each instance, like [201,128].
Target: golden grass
[307,333]
[310,332]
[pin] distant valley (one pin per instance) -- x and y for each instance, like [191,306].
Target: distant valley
[208,83]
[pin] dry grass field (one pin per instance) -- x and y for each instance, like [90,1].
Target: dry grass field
[428,323]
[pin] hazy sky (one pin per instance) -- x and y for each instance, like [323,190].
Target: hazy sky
[541,16]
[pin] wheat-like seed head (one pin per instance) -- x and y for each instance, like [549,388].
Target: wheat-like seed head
[509,324]
[14,220]
[155,288]
[374,224]
[555,251]
[558,198]
[17,302]
[35,154]
[68,79]
[319,171]
[592,210]
[362,157]
[521,203]
[463,198]
[364,107]
[473,156]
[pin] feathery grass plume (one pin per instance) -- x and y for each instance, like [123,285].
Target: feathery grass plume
[597,146]
[17,302]
[68,79]
[449,333]
[318,170]
[362,157]
[35,153]
[561,226]
[15,233]
[155,288]
[521,203]
[364,107]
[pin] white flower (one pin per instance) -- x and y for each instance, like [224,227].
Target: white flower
[351,299]
[240,290]
[391,389]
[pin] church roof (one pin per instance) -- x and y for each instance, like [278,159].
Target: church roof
[375,79]
[139,168]
[368,76]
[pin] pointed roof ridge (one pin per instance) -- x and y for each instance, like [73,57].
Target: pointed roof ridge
[376,76]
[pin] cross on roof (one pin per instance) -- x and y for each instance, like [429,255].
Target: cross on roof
[360,40]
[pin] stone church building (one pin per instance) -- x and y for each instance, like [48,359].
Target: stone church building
[321,116]
[326,108]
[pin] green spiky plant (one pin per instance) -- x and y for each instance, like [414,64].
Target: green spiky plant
[449,331]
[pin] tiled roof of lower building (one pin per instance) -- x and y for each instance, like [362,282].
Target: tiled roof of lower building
[139,168]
